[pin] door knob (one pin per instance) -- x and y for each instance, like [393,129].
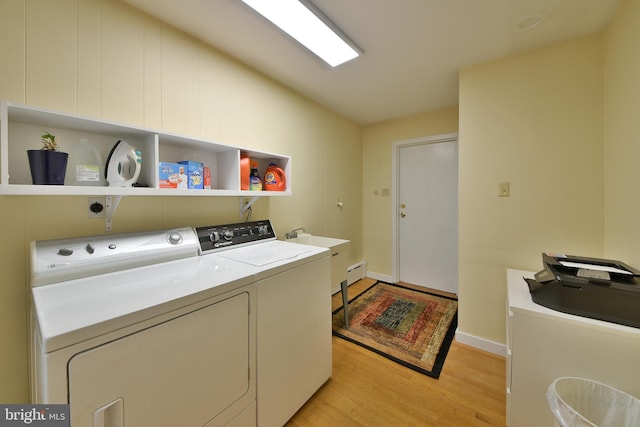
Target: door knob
[402,214]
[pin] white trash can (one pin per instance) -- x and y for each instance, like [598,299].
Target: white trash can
[578,402]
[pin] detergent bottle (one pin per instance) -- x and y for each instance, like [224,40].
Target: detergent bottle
[85,165]
[274,178]
[255,183]
[245,172]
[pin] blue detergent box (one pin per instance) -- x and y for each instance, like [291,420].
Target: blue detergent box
[168,175]
[194,172]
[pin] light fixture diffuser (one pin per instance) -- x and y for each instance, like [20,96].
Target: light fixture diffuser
[309,27]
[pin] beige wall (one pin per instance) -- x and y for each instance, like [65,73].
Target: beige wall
[377,146]
[622,134]
[535,120]
[560,123]
[104,59]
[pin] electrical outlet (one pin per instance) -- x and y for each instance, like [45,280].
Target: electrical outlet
[243,207]
[503,189]
[96,207]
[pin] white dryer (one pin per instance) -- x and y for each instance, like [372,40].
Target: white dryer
[168,343]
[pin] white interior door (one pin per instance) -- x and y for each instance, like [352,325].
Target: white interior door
[427,213]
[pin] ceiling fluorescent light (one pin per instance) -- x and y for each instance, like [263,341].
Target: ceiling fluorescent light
[306,24]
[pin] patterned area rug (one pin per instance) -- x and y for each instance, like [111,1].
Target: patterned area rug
[410,327]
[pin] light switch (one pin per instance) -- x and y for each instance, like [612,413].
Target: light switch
[503,189]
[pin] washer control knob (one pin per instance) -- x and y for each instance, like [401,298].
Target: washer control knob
[228,235]
[90,249]
[214,236]
[65,251]
[174,238]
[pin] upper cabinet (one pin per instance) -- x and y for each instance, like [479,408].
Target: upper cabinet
[89,142]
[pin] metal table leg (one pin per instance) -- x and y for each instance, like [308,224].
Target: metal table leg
[345,303]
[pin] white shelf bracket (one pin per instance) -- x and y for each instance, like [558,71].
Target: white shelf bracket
[244,207]
[112,203]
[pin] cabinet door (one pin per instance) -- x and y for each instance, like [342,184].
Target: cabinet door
[338,266]
[182,372]
[294,339]
[548,347]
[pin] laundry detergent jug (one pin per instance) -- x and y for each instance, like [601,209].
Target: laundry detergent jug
[274,178]
[245,172]
[85,166]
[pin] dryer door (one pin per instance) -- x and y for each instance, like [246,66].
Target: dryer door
[183,372]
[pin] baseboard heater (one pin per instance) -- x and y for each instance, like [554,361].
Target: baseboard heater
[356,272]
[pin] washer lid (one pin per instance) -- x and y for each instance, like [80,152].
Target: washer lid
[262,254]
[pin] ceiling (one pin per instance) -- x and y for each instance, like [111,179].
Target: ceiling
[413,49]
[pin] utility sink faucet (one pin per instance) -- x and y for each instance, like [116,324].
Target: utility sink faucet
[294,233]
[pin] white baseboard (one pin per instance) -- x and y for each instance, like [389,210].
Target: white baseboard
[481,343]
[378,276]
[356,272]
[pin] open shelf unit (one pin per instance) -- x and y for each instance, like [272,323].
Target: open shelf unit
[21,127]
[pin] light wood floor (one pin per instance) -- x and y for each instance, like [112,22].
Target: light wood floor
[366,389]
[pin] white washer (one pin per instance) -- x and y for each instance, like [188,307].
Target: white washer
[139,329]
[293,285]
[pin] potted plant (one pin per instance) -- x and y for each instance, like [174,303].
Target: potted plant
[48,165]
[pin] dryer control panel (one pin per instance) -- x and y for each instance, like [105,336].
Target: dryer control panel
[219,237]
[67,259]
